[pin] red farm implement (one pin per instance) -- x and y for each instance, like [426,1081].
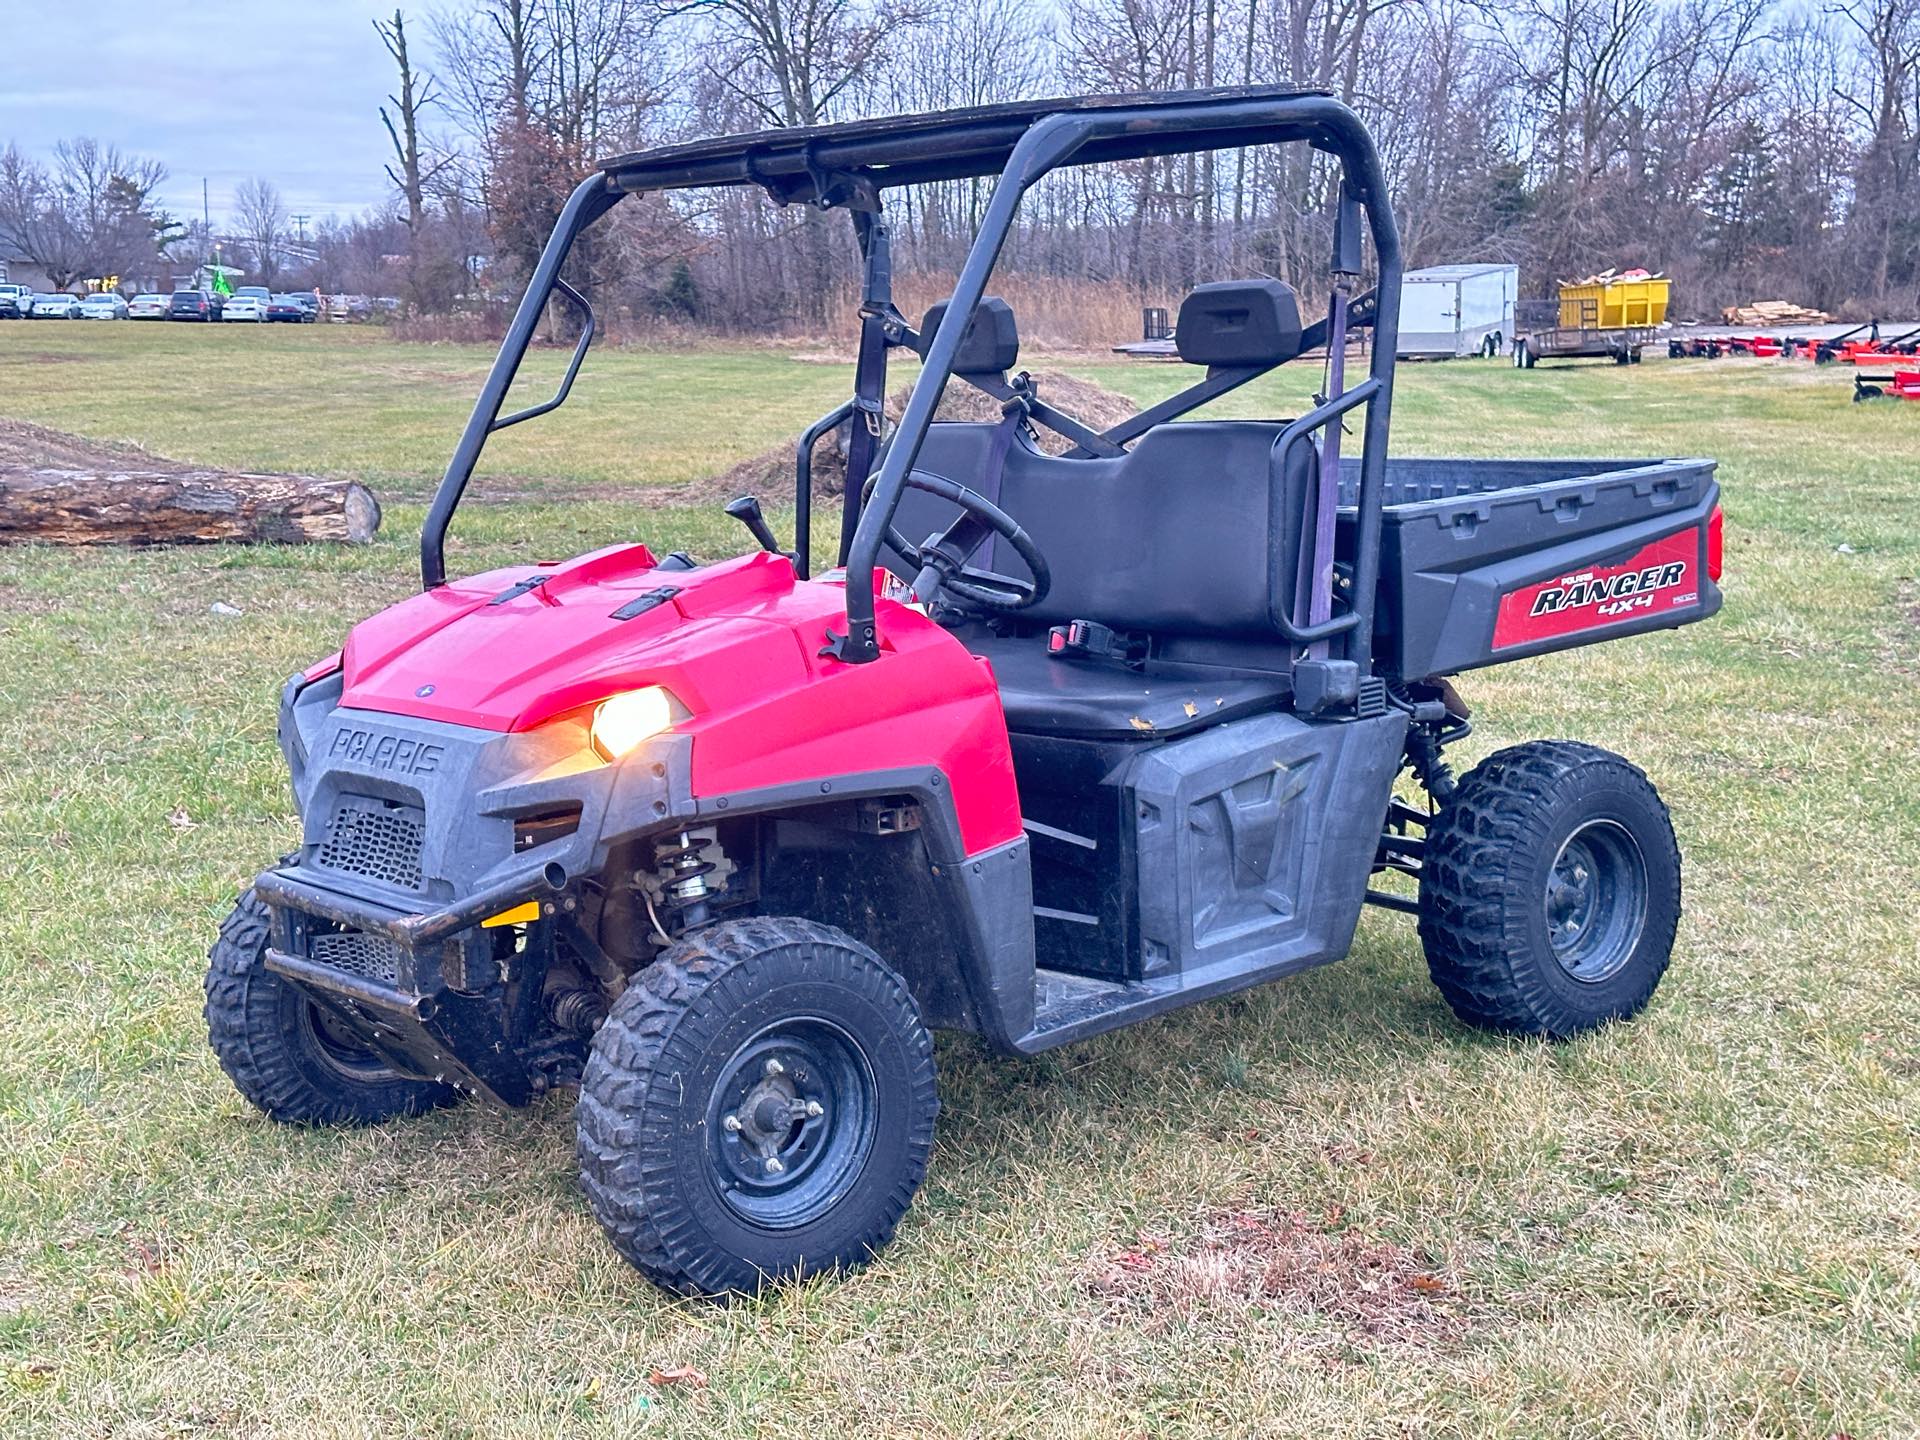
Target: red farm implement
[1891,384]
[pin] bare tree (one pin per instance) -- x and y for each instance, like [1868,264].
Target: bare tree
[260,223]
[418,94]
[1886,99]
[789,62]
[91,216]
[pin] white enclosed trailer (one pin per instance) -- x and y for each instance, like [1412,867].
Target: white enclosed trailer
[1451,310]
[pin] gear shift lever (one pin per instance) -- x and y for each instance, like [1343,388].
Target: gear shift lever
[747,511]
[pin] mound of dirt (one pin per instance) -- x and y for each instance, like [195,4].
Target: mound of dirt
[771,472]
[44,449]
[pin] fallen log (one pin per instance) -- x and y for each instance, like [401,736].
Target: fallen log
[179,507]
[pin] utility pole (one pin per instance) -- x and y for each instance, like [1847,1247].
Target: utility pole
[300,226]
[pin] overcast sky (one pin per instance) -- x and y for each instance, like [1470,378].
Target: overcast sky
[221,89]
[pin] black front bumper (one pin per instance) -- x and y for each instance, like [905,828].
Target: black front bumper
[388,935]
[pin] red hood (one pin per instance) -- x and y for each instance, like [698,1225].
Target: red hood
[461,653]
[738,643]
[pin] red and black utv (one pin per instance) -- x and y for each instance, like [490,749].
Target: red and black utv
[1059,743]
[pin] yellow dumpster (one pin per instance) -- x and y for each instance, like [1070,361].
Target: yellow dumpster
[1614,302]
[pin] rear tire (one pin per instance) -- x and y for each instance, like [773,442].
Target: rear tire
[1550,891]
[758,1106]
[284,1052]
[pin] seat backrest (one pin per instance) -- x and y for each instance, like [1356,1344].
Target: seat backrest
[1188,533]
[1234,323]
[991,345]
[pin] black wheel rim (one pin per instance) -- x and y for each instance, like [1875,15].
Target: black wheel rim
[791,1122]
[339,1049]
[1596,901]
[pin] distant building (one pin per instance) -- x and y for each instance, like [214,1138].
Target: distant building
[16,271]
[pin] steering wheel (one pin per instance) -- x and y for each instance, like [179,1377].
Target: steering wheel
[942,560]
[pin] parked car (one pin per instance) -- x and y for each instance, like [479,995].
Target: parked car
[193,305]
[16,302]
[107,305]
[311,300]
[245,307]
[256,292]
[147,307]
[56,307]
[289,310]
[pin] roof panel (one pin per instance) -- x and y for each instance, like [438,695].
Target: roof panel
[975,140]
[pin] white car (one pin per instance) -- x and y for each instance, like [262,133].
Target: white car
[56,307]
[109,305]
[147,307]
[245,307]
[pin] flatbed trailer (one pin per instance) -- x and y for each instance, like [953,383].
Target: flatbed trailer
[1622,346]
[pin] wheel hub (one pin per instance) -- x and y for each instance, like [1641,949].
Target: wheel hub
[1596,900]
[792,1122]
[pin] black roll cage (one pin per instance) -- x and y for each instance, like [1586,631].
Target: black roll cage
[850,165]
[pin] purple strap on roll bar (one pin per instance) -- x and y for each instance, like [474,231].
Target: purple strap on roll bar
[1313,588]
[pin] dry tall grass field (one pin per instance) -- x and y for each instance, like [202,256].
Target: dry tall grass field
[1323,1208]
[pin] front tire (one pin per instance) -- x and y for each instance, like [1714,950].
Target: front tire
[284,1052]
[1550,891]
[759,1106]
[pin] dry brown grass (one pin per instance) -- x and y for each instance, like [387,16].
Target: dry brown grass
[1337,1285]
[1054,313]
[771,473]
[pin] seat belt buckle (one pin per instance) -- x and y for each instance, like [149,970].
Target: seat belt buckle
[1089,639]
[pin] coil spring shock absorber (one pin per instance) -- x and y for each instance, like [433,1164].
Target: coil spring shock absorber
[1437,723]
[684,867]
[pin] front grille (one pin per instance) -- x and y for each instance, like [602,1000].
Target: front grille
[375,839]
[368,956]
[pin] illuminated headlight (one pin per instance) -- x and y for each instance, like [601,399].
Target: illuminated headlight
[623,721]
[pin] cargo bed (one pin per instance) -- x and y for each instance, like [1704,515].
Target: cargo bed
[1484,561]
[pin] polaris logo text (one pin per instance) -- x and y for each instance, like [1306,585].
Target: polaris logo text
[1590,589]
[376,751]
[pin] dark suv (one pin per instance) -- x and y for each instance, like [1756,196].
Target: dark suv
[194,305]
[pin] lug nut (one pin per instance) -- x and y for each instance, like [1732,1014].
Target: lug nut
[773,1068]
[731,1124]
[814,1112]
[774,1167]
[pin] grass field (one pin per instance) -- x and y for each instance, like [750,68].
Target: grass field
[1320,1209]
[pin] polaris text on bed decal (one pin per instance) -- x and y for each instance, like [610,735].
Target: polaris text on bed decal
[1663,576]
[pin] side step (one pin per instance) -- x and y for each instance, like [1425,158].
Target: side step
[1074,1007]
